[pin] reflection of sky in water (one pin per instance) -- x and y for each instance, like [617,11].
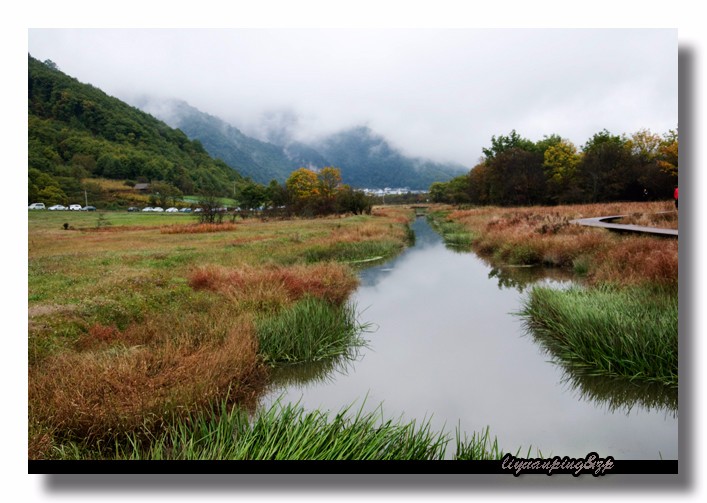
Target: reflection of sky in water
[447,348]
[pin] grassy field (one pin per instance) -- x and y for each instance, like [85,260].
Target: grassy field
[136,319]
[151,335]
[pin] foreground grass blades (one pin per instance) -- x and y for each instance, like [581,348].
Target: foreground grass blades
[290,433]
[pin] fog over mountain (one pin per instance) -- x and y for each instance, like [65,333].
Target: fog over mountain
[365,158]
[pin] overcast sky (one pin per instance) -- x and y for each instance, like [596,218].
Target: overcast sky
[433,93]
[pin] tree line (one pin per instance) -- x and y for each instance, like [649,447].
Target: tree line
[515,171]
[306,192]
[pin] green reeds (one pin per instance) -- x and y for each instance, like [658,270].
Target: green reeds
[478,447]
[628,332]
[351,251]
[309,330]
[453,233]
[288,432]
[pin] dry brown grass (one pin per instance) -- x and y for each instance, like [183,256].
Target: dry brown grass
[546,235]
[108,391]
[198,228]
[632,260]
[277,285]
[399,214]
[664,219]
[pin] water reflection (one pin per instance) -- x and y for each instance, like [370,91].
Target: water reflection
[616,394]
[520,277]
[313,373]
[449,348]
[622,395]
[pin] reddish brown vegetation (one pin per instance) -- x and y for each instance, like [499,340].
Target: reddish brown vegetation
[328,281]
[546,235]
[200,228]
[102,394]
[639,259]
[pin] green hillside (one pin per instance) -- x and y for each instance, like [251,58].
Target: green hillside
[77,132]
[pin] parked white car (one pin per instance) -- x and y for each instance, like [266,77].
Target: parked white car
[171,210]
[158,209]
[149,208]
[57,207]
[75,207]
[37,206]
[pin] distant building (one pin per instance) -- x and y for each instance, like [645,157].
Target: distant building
[142,187]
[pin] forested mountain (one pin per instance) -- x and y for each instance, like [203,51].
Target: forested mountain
[258,160]
[77,132]
[365,158]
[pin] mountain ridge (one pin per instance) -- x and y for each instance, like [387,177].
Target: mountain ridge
[366,159]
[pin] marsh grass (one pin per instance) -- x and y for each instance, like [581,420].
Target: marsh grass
[122,382]
[352,251]
[479,446]
[546,236]
[628,332]
[130,327]
[288,432]
[310,330]
[453,233]
[667,218]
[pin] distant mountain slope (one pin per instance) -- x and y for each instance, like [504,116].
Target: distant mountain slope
[365,158]
[76,131]
[258,160]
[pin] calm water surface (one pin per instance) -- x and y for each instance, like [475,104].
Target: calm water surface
[447,348]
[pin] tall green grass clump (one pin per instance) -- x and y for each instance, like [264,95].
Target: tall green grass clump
[309,330]
[288,432]
[351,251]
[628,332]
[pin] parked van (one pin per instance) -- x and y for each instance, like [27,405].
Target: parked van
[37,206]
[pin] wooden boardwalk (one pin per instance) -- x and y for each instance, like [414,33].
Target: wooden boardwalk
[605,223]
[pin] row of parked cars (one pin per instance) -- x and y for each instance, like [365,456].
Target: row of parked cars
[78,207]
[61,207]
[158,209]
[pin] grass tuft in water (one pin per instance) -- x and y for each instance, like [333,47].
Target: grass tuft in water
[628,332]
[453,233]
[310,330]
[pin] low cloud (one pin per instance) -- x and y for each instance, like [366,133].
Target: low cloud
[439,94]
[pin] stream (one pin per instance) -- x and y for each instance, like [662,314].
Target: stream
[446,346]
